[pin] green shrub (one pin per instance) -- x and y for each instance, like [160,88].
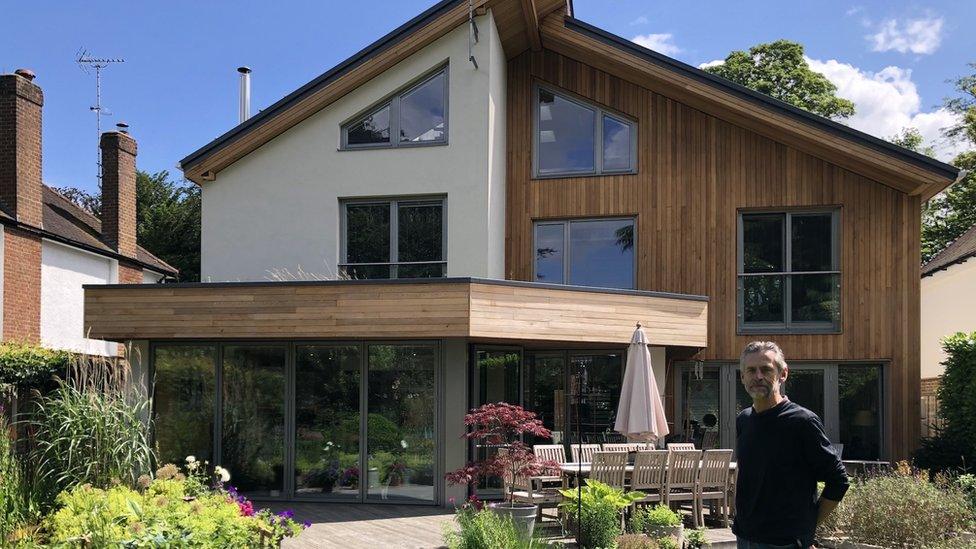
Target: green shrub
[16,509]
[659,515]
[667,543]
[484,529]
[695,539]
[596,508]
[89,438]
[967,483]
[902,509]
[955,445]
[29,366]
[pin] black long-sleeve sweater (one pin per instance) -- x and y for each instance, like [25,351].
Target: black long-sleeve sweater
[782,453]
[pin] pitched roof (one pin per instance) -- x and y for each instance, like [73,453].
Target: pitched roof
[65,221]
[960,250]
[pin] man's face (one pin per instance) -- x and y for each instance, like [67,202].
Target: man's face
[759,375]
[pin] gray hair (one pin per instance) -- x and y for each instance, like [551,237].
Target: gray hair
[765,347]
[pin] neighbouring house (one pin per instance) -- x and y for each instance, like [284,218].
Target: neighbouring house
[50,247]
[948,295]
[499,195]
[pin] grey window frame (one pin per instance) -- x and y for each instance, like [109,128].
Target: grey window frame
[394,203]
[393,101]
[567,251]
[788,326]
[599,112]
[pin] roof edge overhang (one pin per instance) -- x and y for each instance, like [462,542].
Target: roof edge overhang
[927,175]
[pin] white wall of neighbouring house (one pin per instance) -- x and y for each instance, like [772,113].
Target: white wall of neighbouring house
[64,269]
[948,306]
[279,206]
[150,277]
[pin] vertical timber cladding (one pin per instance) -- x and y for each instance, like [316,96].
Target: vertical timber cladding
[695,171]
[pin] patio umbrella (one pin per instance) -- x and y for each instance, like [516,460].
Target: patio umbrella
[640,414]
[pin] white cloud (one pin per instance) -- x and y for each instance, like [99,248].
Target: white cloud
[922,36]
[714,63]
[661,43]
[887,101]
[854,10]
[642,20]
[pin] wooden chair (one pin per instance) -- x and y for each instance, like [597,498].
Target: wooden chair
[680,446]
[583,452]
[550,452]
[681,482]
[713,483]
[609,468]
[622,447]
[527,489]
[650,470]
[710,440]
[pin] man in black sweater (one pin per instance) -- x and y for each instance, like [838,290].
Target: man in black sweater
[782,452]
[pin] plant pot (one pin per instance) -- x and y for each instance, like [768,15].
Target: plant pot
[522,514]
[658,531]
[327,486]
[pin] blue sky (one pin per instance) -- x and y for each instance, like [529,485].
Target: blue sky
[178,86]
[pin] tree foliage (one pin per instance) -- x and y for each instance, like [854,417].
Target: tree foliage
[952,212]
[965,106]
[778,69]
[167,217]
[955,445]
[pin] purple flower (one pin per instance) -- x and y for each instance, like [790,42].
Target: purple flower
[307,524]
[287,514]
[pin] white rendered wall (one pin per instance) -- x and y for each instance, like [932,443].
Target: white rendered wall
[948,306]
[150,277]
[278,207]
[63,272]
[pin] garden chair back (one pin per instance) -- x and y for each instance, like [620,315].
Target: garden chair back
[584,452]
[681,482]
[609,468]
[550,452]
[650,470]
[680,446]
[622,447]
[709,440]
[713,482]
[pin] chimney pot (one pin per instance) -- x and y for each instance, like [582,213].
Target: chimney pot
[123,127]
[26,73]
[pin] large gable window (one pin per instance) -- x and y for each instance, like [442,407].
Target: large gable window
[393,239]
[789,272]
[573,137]
[585,252]
[416,115]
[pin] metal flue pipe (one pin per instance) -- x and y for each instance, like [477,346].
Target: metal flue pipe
[245,106]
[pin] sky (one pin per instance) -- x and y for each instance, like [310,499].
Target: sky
[178,86]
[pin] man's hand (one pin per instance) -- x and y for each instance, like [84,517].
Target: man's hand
[824,508]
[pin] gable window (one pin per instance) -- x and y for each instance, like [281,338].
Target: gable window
[416,115]
[789,272]
[585,252]
[573,137]
[393,239]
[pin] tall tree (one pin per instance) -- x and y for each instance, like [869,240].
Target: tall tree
[778,69]
[167,219]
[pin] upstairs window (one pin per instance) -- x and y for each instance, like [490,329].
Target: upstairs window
[414,116]
[585,252]
[789,272]
[573,137]
[393,239]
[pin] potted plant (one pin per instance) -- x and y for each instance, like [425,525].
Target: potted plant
[594,510]
[501,426]
[323,477]
[659,522]
[350,477]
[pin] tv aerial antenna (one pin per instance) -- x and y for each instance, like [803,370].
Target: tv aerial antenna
[87,62]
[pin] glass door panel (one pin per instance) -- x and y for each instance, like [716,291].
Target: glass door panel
[805,386]
[400,425]
[700,402]
[860,411]
[545,394]
[183,401]
[253,440]
[327,421]
[498,381]
[593,394]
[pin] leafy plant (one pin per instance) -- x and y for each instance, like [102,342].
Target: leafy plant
[29,366]
[484,529]
[636,541]
[596,509]
[667,543]
[502,425]
[596,492]
[955,445]
[16,509]
[695,539]
[659,515]
[967,483]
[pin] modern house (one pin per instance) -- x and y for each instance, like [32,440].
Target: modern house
[50,247]
[499,192]
[948,306]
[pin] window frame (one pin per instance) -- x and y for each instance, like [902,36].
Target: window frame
[393,101]
[567,251]
[788,326]
[394,204]
[599,112]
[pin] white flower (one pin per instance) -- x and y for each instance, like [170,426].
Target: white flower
[404,444]
[192,466]
[191,459]
[224,474]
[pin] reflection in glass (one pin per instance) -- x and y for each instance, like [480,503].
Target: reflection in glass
[814,298]
[616,145]
[549,241]
[422,111]
[566,135]
[367,233]
[253,441]
[183,402]
[420,238]
[373,129]
[593,393]
[762,298]
[806,388]
[812,241]
[700,403]
[545,394]
[602,253]
[498,381]
[400,425]
[327,419]
[860,401]
[763,247]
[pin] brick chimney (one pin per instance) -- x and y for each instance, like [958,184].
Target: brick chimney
[119,190]
[20,146]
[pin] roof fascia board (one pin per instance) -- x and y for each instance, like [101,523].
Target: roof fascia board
[531,17]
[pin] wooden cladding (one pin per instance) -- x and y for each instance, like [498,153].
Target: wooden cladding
[695,173]
[416,309]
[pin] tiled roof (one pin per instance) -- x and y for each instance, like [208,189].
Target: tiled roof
[960,250]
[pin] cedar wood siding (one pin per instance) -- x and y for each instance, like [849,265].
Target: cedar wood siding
[695,172]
